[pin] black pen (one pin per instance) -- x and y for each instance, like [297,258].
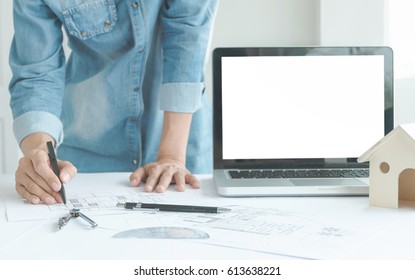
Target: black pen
[54,163]
[172,207]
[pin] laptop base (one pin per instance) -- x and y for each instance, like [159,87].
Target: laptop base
[290,187]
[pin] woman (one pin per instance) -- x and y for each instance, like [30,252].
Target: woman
[130,97]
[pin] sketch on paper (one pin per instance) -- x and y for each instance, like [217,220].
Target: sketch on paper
[93,201]
[163,233]
[262,229]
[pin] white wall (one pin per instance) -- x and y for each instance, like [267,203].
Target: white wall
[266,23]
[352,22]
[401,37]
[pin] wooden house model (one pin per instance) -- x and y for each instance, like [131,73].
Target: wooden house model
[392,167]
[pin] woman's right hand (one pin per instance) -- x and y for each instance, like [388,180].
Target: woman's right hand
[35,180]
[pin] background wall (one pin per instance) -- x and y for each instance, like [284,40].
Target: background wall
[400,35]
[264,23]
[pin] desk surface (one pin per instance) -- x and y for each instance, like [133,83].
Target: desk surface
[367,232]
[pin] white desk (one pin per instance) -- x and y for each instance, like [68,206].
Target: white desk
[393,237]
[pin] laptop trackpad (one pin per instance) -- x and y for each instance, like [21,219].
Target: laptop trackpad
[327,182]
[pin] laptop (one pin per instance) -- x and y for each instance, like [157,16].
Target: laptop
[292,121]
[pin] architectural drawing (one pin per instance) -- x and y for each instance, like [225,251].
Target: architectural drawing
[95,203]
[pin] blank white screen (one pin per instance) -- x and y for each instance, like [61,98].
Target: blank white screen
[301,106]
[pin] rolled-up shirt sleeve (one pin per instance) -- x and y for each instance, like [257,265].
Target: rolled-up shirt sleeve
[37,62]
[186,32]
[37,121]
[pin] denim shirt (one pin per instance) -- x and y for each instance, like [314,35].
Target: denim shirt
[130,61]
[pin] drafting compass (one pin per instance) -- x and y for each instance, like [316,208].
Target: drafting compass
[75,213]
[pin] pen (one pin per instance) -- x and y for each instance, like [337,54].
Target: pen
[54,163]
[172,207]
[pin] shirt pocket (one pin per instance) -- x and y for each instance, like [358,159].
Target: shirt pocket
[91,18]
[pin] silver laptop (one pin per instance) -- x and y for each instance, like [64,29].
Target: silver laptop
[292,121]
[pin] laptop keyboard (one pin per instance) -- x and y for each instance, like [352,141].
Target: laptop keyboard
[299,173]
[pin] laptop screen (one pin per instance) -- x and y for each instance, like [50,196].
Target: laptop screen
[301,105]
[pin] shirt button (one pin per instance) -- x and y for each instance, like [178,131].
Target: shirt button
[84,33]
[136,89]
[133,118]
[135,4]
[134,161]
[107,23]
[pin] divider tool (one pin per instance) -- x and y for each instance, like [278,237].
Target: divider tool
[75,213]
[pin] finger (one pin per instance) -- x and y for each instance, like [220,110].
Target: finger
[180,182]
[67,171]
[21,190]
[166,178]
[153,175]
[28,189]
[31,178]
[192,181]
[137,176]
[41,165]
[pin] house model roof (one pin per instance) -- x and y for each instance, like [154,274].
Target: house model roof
[406,129]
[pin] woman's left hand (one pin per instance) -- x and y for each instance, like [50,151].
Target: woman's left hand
[162,173]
